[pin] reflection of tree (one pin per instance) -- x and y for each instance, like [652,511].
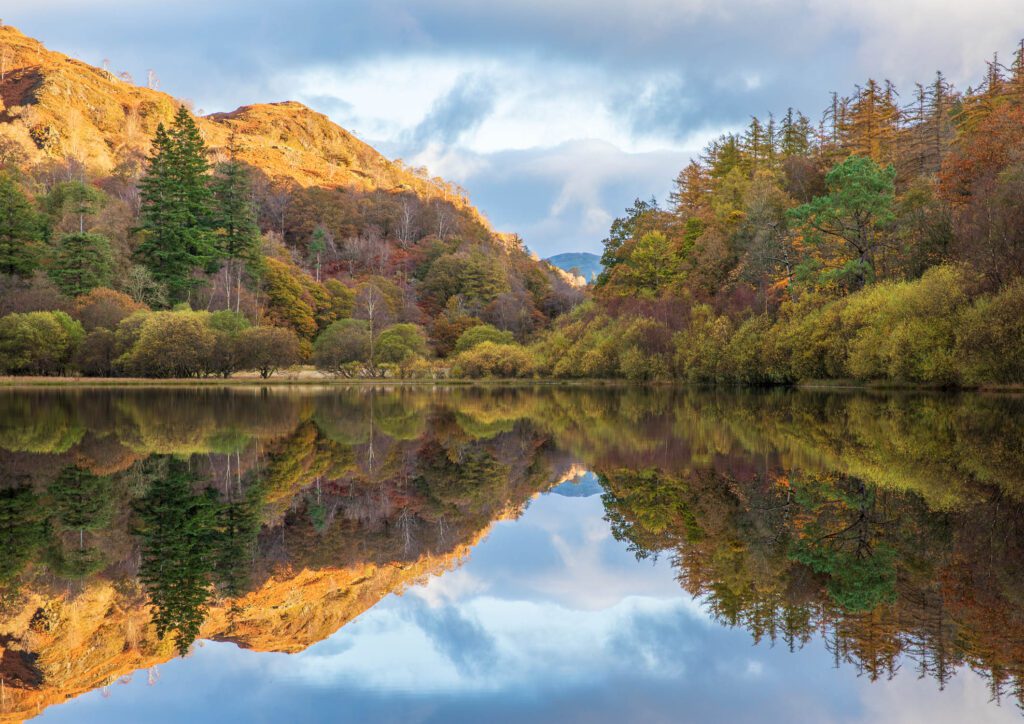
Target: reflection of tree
[879,574]
[22,530]
[178,535]
[838,537]
[81,502]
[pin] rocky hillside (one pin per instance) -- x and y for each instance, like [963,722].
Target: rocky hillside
[57,107]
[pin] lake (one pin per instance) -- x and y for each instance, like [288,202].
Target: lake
[427,554]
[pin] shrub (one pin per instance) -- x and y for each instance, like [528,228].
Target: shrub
[907,330]
[97,353]
[990,338]
[701,345]
[482,333]
[400,343]
[344,342]
[38,342]
[267,349]
[171,344]
[488,359]
[227,354]
[105,308]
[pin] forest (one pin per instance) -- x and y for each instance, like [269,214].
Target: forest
[883,243]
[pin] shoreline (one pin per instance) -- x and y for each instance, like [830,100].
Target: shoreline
[326,381]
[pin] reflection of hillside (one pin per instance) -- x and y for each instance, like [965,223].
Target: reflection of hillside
[354,501]
[889,521]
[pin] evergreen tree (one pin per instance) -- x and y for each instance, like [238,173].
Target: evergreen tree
[176,207]
[20,230]
[178,541]
[238,235]
[82,262]
[82,502]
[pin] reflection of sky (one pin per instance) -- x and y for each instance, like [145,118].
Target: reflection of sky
[550,620]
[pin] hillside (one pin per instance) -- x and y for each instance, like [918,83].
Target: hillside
[290,222]
[57,107]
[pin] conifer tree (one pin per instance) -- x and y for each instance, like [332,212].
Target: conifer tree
[176,207]
[82,262]
[20,230]
[237,238]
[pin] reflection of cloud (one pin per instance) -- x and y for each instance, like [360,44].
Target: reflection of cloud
[459,638]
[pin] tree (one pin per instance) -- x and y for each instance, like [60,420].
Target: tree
[317,246]
[82,502]
[20,230]
[345,342]
[237,238]
[176,207]
[38,342]
[74,197]
[855,214]
[226,355]
[482,333]
[171,344]
[400,343]
[267,349]
[104,308]
[82,262]
[372,305]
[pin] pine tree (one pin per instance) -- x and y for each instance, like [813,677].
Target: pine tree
[82,262]
[20,230]
[176,201]
[238,235]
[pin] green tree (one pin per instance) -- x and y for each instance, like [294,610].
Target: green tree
[176,207]
[268,349]
[483,333]
[400,343]
[237,239]
[849,225]
[20,230]
[73,197]
[82,262]
[345,342]
[317,246]
[22,530]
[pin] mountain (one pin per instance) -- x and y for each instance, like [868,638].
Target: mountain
[415,237]
[57,107]
[588,265]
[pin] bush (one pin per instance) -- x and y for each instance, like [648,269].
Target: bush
[990,338]
[906,331]
[170,344]
[343,343]
[97,353]
[41,343]
[104,308]
[227,354]
[482,333]
[488,359]
[268,349]
[400,343]
[701,345]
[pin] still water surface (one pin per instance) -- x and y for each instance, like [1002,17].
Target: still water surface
[549,554]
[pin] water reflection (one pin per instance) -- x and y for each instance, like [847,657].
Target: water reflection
[134,521]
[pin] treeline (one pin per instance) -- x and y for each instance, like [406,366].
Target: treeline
[885,242]
[178,234]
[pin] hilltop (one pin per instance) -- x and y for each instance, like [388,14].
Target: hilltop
[292,224]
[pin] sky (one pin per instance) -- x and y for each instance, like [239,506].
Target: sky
[553,114]
[550,620]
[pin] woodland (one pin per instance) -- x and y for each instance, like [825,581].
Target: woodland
[882,243]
